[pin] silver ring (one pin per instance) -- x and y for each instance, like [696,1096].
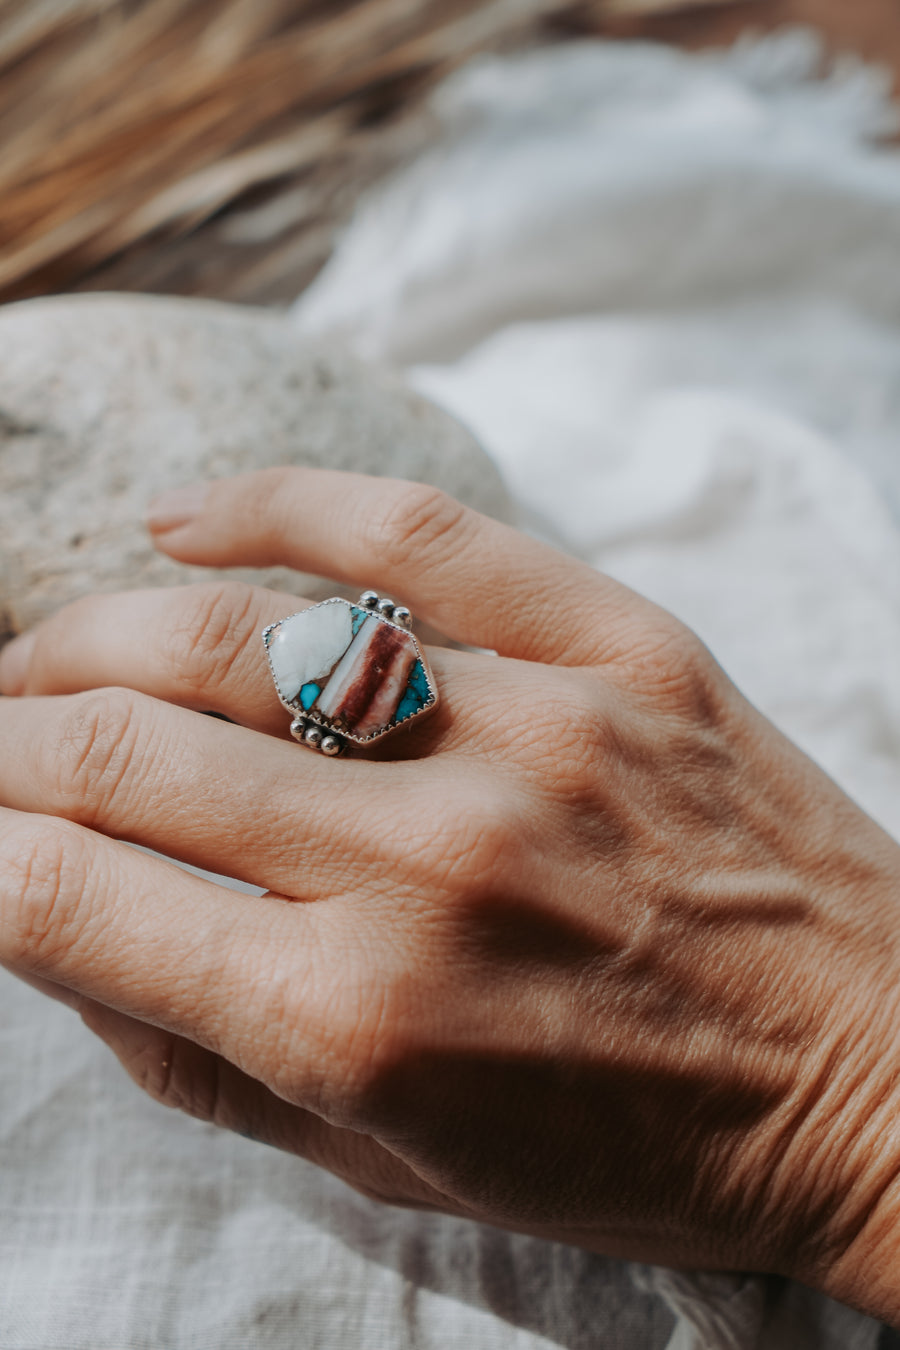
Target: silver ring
[349,674]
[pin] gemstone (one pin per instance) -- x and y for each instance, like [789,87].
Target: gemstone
[349,668]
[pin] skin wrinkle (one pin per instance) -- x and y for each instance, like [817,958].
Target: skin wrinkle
[34,864]
[212,635]
[796,1149]
[418,526]
[271,828]
[845,1079]
[90,758]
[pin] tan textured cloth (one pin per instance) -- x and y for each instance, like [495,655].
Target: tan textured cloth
[124,1226]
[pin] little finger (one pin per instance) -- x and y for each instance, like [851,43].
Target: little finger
[144,937]
[187,1077]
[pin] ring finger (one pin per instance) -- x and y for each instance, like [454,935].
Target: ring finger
[200,647]
[196,646]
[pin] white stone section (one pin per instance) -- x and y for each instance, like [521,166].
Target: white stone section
[334,693]
[307,646]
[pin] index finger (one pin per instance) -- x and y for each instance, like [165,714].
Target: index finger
[476,579]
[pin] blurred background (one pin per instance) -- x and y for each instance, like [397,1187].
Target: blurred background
[213,147]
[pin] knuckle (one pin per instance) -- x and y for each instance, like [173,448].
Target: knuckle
[563,737]
[352,1033]
[490,835]
[569,763]
[270,495]
[478,836]
[372,1040]
[676,669]
[416,522]
[45,868]
[201,646]
[89,752]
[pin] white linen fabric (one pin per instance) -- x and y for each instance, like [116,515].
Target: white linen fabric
[663,290]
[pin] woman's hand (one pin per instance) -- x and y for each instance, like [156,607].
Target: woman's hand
[592,953]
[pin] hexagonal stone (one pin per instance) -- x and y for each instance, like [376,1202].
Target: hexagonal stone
[349,669]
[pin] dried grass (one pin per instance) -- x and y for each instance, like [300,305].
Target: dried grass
[211,146]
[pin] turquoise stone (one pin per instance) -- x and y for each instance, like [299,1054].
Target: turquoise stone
[308,695]
[416,694]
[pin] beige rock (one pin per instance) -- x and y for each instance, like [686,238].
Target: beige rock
[106,401]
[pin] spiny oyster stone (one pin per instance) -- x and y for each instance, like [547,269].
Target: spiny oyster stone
[349,669]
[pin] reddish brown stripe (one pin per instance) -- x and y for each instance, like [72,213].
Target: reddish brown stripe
[385,646]
[383,708]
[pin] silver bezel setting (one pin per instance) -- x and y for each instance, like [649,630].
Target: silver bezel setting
[333,740]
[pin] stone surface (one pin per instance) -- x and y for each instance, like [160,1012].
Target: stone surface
[105,401]
[349,669]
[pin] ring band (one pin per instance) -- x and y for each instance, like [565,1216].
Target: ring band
[349,673]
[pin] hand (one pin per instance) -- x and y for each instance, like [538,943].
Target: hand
[592,953]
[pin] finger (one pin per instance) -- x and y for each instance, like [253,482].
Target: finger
[216,796]
[475,579]
[179,1074]
[198,646]
[250,979]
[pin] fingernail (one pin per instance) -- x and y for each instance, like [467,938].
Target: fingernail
[176,508]
[15,660]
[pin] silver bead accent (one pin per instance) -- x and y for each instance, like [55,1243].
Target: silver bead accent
[402,616]
[369,599]
[313,736]
[298,728]
[386,607]
[331,746]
